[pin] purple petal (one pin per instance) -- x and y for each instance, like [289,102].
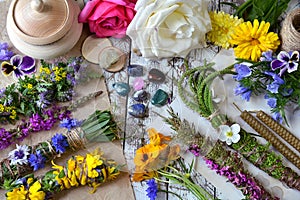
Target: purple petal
[283,56]
[16,60]
[292,66]
[27,65]
[275,64]
[18,73]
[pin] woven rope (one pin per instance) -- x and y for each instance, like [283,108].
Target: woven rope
[290,32]
[74,139]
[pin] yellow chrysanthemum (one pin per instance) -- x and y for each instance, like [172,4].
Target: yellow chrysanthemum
[252,40]
[223,26]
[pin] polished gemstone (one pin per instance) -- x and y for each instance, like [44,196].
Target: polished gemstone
[160,98]
[121,88]
[135,70]
[156,76]
[138,83]
[138,110]
[141,96]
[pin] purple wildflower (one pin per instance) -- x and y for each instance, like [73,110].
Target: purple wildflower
[5,54]
[242,71]
[267,56]
[19,155]
[59,142]
[211,164]
[5,138]
[243,91]
[43,102]
[194,149]
[36,122]
[286,62]
[37,160]
[274,86]
[19,65]
[152,189]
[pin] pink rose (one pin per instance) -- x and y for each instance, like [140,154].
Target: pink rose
[108,17]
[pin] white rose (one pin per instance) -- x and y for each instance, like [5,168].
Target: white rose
[168,28]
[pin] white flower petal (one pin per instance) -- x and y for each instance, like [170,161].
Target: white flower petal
[235,128]
[228,141]
[222,137]
[235,138]
[224,129]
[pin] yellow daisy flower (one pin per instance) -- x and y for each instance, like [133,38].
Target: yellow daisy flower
[223,26]
[252,40]
[34,192]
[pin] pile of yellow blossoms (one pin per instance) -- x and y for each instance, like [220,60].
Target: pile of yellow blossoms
[249,40]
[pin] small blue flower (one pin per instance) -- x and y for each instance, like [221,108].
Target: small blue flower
[152,189]
[287,91]
[243,91]
[19,155]
[5,54]
[273,87]
[242,71]
[59,141]
[37,160]
[272,102]
[277,117]
[267,56]
[69,123]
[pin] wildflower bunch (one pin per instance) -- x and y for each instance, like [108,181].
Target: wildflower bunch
[98,127]
[30,95]
[219,158]
[92,170]
[275,76]
[157,160]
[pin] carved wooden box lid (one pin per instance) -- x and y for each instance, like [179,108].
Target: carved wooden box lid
[41,24]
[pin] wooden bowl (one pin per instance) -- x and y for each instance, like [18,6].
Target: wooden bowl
[43,28]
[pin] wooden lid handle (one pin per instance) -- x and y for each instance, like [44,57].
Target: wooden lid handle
[37,5]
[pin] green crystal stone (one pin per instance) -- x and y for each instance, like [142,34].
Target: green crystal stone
[160,98]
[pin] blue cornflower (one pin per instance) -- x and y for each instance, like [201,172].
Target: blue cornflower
[69,123]
[59,141]
[242,71]
[243,91]
[37,160]
[152,189]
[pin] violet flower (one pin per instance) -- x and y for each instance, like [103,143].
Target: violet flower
[5,54]
[243,91]
[69,123]
[277,117]
[19,65]
[242,71]
[194,149]
[286,61]
[267,56]
[271,101]
[5,138]
[274,86]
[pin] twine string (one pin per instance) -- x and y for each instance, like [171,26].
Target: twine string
[290,31]
[74,139]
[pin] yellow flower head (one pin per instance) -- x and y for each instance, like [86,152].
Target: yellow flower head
[145,155]
[252,40]
[157,138]
[93,162]
[34,193]
[17,194]
[223,26]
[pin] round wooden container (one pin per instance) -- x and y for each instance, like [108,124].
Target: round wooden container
[43,28]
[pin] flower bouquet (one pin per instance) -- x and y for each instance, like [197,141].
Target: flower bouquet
[92,170]
[156,162]
[98,127]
